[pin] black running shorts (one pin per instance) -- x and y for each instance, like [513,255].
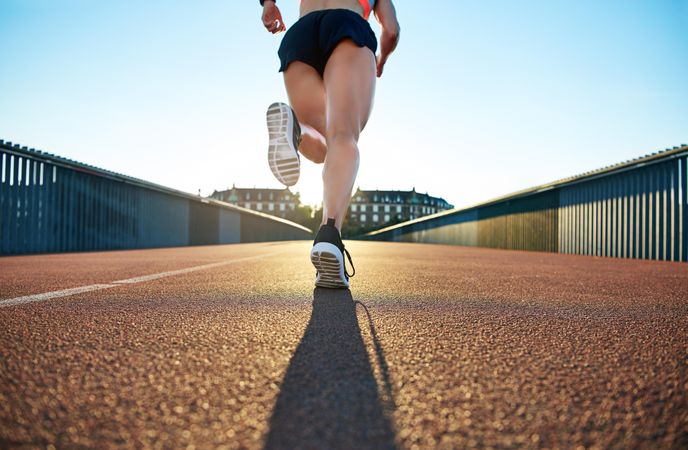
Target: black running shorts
[314,37]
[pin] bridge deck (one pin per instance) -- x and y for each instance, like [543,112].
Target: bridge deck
[433,346]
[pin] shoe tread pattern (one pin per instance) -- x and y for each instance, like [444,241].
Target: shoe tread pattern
[329,270]
[282,156]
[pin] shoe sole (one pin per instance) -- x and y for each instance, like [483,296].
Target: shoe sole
[282,155]
[329,262]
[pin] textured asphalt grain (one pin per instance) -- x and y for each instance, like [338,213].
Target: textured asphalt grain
[433,347]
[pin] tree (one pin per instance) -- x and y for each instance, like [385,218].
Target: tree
[306,215]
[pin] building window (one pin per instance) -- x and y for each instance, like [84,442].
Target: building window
[362,218]
[291,206]
[282,207]
[398,208]
[386,218]
[271,206]
[260,196]
[386,208]
[375,218]
[375,197]
[259,206]
[353,208]
[374,208]
[363,208]
[248,196]
[272,196]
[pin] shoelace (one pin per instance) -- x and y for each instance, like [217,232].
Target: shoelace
[350,262]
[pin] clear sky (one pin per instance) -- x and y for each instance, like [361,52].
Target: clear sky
[481,98]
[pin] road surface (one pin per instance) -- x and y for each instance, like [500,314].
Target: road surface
[433,347]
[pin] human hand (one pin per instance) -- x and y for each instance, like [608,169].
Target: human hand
[380,65]
[272,18]
[388,42]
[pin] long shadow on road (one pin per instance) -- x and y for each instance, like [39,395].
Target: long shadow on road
[329,397]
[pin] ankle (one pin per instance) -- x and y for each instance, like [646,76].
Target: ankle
[329,233]
[331,222]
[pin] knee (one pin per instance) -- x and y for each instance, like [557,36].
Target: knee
[344,145]
[341,137]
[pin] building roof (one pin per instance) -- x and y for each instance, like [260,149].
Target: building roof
[255,189]
[240,191]
[403,194]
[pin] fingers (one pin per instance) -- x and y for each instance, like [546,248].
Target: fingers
[276,26]
[280,23]
[273,24]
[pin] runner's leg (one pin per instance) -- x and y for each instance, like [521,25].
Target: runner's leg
[349,89]
[306,92]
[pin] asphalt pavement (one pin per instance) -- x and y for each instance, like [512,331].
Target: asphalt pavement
[433,347]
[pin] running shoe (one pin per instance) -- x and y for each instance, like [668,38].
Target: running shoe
[285,137]
[327,255]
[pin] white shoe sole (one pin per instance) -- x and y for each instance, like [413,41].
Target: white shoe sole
[329,262]
[282,155]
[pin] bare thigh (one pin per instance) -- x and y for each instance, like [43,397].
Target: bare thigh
[349,89]
[306,92]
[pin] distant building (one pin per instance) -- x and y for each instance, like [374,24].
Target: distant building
[368,209]
[277,202]
[371,209]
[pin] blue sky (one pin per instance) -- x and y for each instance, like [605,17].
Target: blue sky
[481,98]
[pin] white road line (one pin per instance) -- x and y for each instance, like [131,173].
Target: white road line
[53,294]
[155,276]
[96,287]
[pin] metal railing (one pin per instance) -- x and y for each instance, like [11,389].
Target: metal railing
[53,204]
[635,209]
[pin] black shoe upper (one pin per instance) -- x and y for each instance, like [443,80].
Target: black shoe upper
[330,234]
[296,132]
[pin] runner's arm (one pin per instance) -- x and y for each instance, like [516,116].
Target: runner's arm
[386,15]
